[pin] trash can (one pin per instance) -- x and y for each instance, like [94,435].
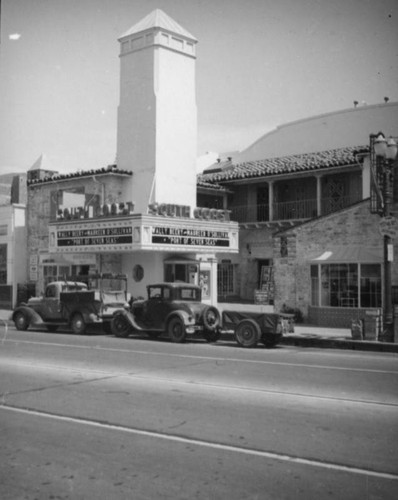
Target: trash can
[356,329]
[372,324]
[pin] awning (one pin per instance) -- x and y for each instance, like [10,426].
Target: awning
[350,254]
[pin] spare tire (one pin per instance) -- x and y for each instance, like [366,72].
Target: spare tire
[247,333]
[211,318]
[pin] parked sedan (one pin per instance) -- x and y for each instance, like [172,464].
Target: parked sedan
[172,308]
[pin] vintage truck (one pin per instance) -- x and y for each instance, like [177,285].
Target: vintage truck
[176,309]
[74,304]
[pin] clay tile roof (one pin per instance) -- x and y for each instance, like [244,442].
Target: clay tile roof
[286,164]
[210,185]
[54,176]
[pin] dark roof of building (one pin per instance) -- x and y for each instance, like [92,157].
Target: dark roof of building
[110,169]
[285,165]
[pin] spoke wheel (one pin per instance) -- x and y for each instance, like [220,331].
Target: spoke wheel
[176,330]
[21,321]
[120,326]
[211,318]
[77,324]
[247,333]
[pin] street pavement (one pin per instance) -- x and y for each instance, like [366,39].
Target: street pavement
[307,336]
[95,416]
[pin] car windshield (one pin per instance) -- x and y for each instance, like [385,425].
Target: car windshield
[73,288]
[108,284]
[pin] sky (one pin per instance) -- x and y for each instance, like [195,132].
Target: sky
[260,64]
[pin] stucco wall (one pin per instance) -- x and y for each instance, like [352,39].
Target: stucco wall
[349,127]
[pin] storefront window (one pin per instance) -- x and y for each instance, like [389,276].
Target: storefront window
[3,264]
[315,285]
[50,274]
[337,285]
[370,285]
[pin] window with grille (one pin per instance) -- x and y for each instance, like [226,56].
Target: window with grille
[225,278]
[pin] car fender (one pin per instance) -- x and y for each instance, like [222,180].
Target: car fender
[188,319]
[34,317]
[130,318]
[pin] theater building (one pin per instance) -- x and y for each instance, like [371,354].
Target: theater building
[138,217]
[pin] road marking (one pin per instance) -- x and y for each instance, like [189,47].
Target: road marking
[212,358]
[106,375]
[207,444]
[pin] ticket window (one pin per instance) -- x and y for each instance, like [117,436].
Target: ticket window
[187,273]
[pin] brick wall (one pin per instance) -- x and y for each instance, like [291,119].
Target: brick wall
[351,226]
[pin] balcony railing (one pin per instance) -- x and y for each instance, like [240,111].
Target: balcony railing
[298,210]
[301,209]
[331,204]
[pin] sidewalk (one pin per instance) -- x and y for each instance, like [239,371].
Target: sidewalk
[333,338]
[307,336]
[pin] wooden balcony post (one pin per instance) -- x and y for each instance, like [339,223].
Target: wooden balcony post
[319,195]
[271,200]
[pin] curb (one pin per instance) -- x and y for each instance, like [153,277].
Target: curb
[315,342]
[354,345]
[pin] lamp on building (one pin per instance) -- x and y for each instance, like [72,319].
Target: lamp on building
[386,153]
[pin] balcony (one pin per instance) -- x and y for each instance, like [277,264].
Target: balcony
[289,210]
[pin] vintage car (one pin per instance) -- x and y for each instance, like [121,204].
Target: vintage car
[172,308]
[74,304]
[176,309]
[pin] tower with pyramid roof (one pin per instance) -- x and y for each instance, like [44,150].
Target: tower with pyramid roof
[157,128]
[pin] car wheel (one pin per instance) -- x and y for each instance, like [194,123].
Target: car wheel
[77,324]
[247,333]
[21,321]
[211,336]
[211,318]
[52,328]
[176,330]
[120,326]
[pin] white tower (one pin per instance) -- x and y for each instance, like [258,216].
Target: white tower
[157,128]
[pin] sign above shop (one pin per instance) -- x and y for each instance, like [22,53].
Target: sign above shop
[172,210]
[96,211]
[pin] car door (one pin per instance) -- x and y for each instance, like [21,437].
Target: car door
[158,307]
[51,304]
